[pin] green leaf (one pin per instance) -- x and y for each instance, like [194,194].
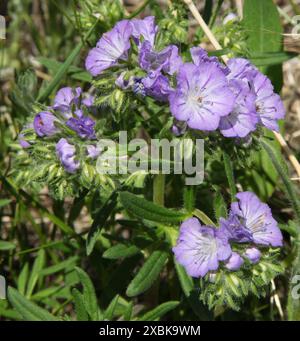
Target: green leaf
[271,58]
[89,294]
[121,251]
[35,272]
[229,174]
[145,209]
[189,197]
[128,312]
[23,279]
[73,71]
[263,26]
[81,312]
[148,273]
[4,202]
[6,246]
[28,310]
[187,286]
[185,280]
[99,221]
[159,311]
[109,312]
[261,22]
[220,206]
[64,265]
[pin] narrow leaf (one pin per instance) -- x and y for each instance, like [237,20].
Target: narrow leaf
[6,246]
[229,174]
[28,310]
[145,209]
[121,251]
[99,221]
[89,294]
[147,274]
[81,312]
[159,311]
[35,273]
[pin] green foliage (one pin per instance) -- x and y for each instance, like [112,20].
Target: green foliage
[93,247]
[229,289]
[148,273]
[145,209]
[28,310]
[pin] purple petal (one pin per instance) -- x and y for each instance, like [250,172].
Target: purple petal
[253,254]
[269,106]
[66,154]
[112,47]
[199,248]
[144,27]
[199,56]
[234,262]
[202,96]
[43,124]
[257,218]
[158,88]
[65,98]
[93,151]
[84,126]
[243,119]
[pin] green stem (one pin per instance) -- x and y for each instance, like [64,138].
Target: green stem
[215,13]
[203,217]
[139,10]
[159,189]
[229,174]
[277,161]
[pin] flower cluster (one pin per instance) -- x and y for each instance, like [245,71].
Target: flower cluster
[250,224]
[235,99]
[69,113]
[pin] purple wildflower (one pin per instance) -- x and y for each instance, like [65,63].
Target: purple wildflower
[243,118]
[241,69]
[112,47]
[234,230]
[66,154]
[253,254]
[88,101]
[234,262]
[202,96]
[123,83]
[66,98]
[84,126]
[43,124]
[23,143]
[199,55]
[268,104]
[158,87]
[138,86]
[256,218]
[167,60]
[200,248]
[93,151]
[144,28]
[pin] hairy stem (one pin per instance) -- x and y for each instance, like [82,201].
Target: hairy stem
[159,189]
